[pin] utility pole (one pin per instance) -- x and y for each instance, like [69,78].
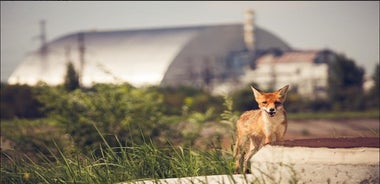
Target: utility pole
[43,51]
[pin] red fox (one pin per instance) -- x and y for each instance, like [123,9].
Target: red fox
[258,127]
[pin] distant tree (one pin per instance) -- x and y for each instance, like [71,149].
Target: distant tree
[71,79]
[375,77]
[19,101]
[373,94]
[207,77]
[243,99]
[345,90]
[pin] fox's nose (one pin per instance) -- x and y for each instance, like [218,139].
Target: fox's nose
[272,110]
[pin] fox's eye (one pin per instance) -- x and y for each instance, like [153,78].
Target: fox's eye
[265,102]
[277,103]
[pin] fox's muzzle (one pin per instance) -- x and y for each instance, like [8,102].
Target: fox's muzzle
[271,112]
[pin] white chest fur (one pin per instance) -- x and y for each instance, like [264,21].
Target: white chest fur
[272,123]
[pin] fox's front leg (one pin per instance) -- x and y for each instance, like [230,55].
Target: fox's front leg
[237,155]
[254,146]
[248,155]
[240,151]
[269,139]
[280,135]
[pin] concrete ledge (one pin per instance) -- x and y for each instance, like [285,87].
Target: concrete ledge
[307,163]
[213,179]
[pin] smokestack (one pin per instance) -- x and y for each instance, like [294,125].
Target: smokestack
[249,30]
[43,49]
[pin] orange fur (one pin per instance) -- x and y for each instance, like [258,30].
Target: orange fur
[258,127]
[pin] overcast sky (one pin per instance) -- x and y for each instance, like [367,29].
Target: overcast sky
[350,27]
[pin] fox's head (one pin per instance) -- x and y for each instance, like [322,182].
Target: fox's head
[271,102]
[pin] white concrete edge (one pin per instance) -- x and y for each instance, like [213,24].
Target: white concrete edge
[211,179]
[292,155]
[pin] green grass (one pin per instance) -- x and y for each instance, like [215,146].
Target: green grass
[114,164]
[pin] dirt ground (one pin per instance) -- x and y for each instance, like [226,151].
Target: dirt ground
[368,142]
[302,129]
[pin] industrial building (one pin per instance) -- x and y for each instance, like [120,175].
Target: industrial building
[219,58]
[307,71]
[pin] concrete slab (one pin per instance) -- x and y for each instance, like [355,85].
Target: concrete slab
[316,164]
[212,179]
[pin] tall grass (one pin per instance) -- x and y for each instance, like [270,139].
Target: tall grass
[110,164]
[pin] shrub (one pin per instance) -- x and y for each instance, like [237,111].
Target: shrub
[19,101]
[120,110]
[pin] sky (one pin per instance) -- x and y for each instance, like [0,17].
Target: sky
[350,28]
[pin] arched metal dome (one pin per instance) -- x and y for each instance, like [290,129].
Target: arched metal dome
[167,56]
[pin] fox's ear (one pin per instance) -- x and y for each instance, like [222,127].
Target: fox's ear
[256,92]
[283,91]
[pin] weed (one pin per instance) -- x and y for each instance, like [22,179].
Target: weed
[110,164]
